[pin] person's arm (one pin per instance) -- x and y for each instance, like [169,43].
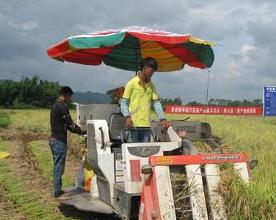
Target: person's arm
[71,126]
[124,105]
[157,104]
[159,109]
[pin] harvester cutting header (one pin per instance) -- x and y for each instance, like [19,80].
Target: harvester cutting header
[141,166]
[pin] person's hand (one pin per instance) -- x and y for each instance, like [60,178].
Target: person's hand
[165,124]
[77,129]
[128,122]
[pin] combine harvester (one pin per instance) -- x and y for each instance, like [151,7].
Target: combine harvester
[133,180]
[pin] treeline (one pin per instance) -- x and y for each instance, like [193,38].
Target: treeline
[228,102]
[37,93]
[214,102]
[173,101]
[28,93]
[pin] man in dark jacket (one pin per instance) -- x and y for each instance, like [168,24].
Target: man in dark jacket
[61,121]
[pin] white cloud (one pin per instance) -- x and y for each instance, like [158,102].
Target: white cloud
[25,26]
[241,62]
[30,25]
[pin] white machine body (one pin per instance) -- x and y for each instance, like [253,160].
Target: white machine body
[118,181]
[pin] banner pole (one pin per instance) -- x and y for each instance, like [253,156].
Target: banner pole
[207,91]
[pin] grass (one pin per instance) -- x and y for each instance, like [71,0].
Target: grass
[36,121]
[5,120]
[256,137]
[25,198]
[43,157]
[41,151]
[29,201]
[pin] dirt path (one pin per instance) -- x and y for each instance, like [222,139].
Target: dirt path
[24,166]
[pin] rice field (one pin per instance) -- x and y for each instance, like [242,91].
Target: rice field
[25,137]
[255,136]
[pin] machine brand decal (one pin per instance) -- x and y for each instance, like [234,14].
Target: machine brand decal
[222,157]
[164,160]
[143,151]
[198,159]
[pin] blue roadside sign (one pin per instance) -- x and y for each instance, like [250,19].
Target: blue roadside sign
[269,101]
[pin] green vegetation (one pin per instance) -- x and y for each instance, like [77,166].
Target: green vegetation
[227,102]
[168,101]
[256,137]
[26,199]
[36,121]
[33,92]
[28,93]
[5,120]
[43,156]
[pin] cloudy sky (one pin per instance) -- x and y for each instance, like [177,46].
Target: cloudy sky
[243,64]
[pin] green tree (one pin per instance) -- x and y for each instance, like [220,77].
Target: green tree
[28,93]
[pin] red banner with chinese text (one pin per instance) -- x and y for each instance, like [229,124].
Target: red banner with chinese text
[214,110]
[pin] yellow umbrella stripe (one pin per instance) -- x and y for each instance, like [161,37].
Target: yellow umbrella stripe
[200,41]
[165,59]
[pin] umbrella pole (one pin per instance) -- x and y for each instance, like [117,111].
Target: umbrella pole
[136,62]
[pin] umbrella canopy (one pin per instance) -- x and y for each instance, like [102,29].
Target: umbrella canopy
[125,48]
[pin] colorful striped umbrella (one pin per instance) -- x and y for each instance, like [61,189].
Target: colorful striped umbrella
[125,48]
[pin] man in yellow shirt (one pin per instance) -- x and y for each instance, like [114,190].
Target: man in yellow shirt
[139,95]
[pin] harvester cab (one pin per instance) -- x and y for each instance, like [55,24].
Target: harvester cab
[143,180]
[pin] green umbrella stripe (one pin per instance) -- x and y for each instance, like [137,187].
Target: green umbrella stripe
[96,41]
